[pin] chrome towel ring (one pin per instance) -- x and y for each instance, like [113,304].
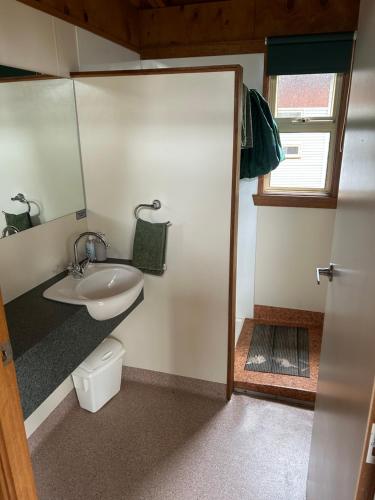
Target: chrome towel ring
[21,198]
[155,205]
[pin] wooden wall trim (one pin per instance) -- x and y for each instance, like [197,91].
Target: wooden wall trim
[158,71]
[29,78]
[296,201]
[234,228]
[115,20]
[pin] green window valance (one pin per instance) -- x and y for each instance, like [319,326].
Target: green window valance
[308,54]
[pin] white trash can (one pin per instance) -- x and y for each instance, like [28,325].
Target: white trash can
[98,378]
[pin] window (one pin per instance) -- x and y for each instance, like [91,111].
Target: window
[307,111]
[292,151]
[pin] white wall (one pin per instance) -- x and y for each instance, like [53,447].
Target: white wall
[98,54]
[32,40]
[167,137]
[267,228]
[253,77]
[291,243]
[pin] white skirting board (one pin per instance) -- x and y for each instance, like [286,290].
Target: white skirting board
[47,407]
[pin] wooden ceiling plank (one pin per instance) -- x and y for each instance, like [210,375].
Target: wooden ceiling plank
[172,30]
[202,28]
[199,23]
[298,17]
[157,3]
[207,49]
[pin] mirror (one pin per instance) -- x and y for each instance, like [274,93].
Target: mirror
[40,163]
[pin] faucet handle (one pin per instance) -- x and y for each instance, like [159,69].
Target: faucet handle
[84,264]
[104,239]
[73,269]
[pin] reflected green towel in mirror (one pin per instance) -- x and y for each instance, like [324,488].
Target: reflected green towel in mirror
[20,221]
[149,247]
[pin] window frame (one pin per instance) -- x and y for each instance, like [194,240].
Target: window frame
[303,198]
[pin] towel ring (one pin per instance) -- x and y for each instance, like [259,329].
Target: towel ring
[155,205]
[21,198]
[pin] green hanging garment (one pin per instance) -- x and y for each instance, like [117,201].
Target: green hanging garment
[266,152]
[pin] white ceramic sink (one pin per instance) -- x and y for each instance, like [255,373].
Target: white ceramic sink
[107,290]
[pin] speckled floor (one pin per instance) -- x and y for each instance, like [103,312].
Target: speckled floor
[156,443]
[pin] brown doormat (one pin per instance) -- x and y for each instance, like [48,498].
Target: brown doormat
[279,349]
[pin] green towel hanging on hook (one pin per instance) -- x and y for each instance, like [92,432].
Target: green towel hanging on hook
[266,152]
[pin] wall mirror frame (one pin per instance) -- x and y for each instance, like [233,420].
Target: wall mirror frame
[40,160]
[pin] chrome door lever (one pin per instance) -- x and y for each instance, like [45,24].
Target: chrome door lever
[325,271]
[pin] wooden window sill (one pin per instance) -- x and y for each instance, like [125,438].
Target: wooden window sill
[299,201]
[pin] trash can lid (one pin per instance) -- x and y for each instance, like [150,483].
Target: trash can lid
[109,349]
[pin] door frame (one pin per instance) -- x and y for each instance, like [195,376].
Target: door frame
[16,473]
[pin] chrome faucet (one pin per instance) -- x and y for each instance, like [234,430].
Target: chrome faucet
[9,230]
[77,269]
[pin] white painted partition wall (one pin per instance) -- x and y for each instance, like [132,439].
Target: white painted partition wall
[278,248]
[252,65]
[168,137]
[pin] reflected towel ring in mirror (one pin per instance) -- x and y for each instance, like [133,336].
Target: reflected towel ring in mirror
[22,199]
[155,205]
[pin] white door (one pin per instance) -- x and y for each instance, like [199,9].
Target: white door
[348,349]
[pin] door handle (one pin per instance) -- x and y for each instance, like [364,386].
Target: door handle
[325,271]
[6,353]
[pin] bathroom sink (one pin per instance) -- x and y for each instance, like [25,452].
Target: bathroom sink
[107,290]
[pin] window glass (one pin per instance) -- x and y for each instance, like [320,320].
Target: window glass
[305,165]
[304,96]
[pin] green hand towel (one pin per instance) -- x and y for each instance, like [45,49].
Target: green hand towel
[20,221]
[150,246]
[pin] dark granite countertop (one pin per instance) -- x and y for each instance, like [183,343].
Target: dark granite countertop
[50,339]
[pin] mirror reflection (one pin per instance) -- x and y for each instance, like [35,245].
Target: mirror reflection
[40,165]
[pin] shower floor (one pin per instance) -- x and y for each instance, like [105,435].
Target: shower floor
[288,386]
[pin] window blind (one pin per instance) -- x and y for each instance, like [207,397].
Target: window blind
[309,54]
